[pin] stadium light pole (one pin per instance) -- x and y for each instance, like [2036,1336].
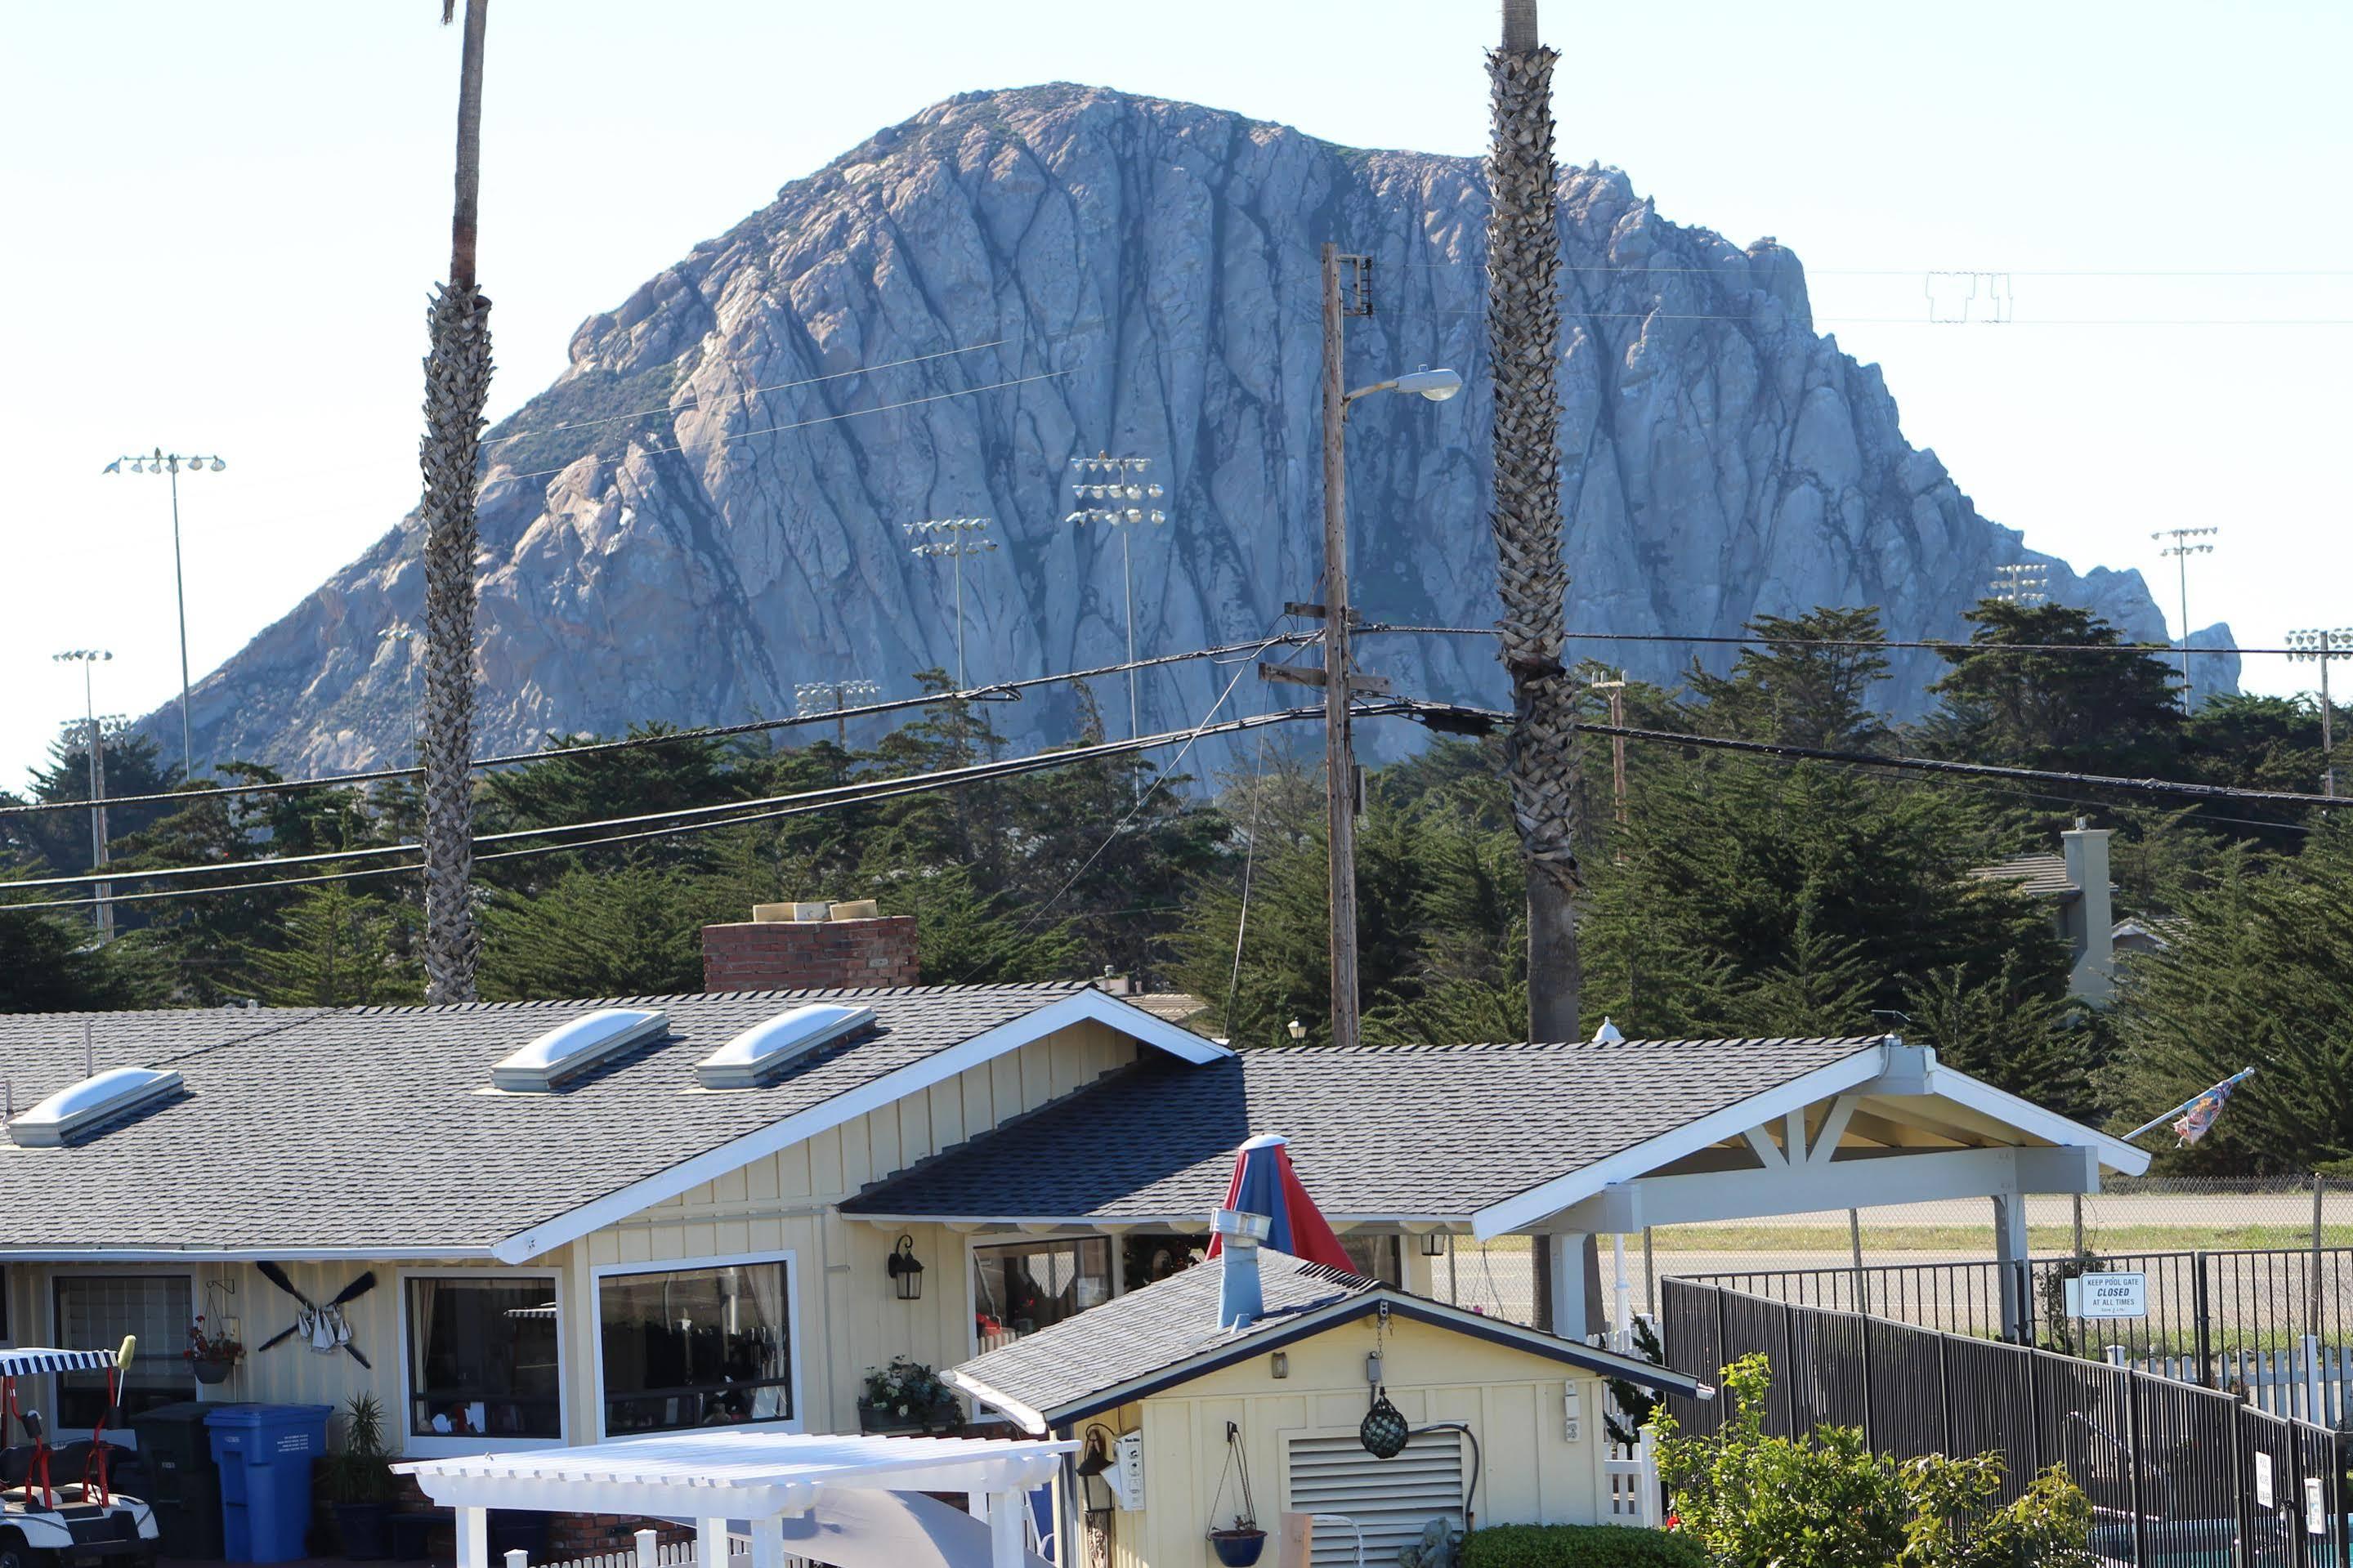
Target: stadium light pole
[2320,644]
[170,463]
[1119,486]
[814,698]
[953,538]
[102,905]
[2182,549]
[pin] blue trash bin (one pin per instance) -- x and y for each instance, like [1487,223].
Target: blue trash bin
[265,1452]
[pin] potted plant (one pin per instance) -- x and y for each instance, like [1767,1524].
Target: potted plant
[1239,1544]
[211,1356]
[358,1480]
[907,1396]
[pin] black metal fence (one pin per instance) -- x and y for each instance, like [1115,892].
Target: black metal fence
[2176,1474]
[2274,1323]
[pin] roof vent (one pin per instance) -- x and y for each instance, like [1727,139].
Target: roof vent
[96,1099]
[572,1049]
[764,1050]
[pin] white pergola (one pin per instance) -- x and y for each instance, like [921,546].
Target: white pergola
[761,1477]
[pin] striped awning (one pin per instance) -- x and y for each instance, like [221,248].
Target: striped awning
[32,1363]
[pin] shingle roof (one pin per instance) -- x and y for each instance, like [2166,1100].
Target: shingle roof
[1166,1327]
[374,1126]
[2037,876]
[1402,1132]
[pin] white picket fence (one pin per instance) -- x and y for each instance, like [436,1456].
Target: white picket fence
[1631,1474]
[649,1552]
[2309,1381]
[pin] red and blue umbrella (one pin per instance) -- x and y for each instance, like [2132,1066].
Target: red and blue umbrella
[1265,1183]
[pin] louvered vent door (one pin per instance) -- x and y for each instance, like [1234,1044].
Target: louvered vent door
[1390,1499]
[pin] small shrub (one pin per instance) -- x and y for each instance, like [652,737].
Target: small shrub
[1579,1546]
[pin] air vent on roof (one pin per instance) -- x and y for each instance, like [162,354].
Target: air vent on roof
[93,1099]
[570,1049]
[764,1050]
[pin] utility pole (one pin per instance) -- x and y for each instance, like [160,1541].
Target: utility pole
[162,462]
[1118,481]
[1341,797]
[1616,690]
[2025,583]
[816,696]
[1339,743]
[953,538]
[2321,645]
[2181,550]
[103,904]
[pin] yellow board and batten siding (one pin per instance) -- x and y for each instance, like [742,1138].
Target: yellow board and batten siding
[847,1317]
[1531,1473]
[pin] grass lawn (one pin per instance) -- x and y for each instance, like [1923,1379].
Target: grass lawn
[1972,1238]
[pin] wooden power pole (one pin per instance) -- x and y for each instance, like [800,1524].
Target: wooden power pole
[1339,745]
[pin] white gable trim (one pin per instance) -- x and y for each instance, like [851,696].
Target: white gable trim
[2028,1117]
[1525,1210]
[1089,1005]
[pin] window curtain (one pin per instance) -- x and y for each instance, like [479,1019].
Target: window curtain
[770,1285]
[422,1294]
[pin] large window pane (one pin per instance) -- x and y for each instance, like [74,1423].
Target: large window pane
[1379,1258]
[94,1311]
[481,1359]
[696,1347]
[1019,1289]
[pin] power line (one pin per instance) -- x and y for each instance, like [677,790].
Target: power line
[724,814]
[830,418]
[1460,718]
[2151,649]
[996,692]
[696,406]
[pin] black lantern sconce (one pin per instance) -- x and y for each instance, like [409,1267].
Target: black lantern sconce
[1094,1469]
[1433,1243]
[906,1273]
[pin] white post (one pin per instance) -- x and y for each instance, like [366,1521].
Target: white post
[518,1557]
[648,1541]
[1646,1479]
[711,1543]
[768,1541]
[2312,1405]
[473,1543]
[1006,1547]
[1624,1323]
[1568,1286]
[2010,1250]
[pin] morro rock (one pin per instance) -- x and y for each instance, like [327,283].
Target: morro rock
[706,508]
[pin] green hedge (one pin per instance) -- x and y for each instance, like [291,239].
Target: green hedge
[1579,1546]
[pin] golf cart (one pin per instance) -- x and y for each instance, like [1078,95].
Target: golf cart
[56,1505]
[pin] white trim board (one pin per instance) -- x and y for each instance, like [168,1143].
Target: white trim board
[1890,1070]
[595,1326]
[1089,1005]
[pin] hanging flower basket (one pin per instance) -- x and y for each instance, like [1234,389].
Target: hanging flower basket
[211,1369]
[211,1356]
[1238,1548]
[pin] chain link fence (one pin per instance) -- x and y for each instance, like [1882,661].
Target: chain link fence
[2132,1215]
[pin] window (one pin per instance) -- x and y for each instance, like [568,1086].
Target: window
[94,1311]
[1146,1258]
[1379,1258]
[481,1358]
[1019,1289]
[696,1347]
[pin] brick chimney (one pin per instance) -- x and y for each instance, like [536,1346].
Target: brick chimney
[790,947]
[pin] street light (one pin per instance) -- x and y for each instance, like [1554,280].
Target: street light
[162,462]
[821,697]
[1120,485]
[2022,583]
[102,909]
[953,538]
[2320,644]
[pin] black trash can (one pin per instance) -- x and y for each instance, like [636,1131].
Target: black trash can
[183,1482]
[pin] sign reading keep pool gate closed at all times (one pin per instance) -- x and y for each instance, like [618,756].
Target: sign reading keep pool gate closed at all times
[2108,1296]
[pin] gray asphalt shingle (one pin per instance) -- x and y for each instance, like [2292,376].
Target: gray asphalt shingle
[1412,1132]
[372,1127]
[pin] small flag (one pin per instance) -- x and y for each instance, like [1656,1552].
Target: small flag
[2194,1118]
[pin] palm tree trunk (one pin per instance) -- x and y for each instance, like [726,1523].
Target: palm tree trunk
[1523,344]
[457,387]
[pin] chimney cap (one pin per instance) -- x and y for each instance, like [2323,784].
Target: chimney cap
[1241,1225]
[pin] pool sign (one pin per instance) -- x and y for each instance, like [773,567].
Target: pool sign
[2263,1493]
[2108,1296]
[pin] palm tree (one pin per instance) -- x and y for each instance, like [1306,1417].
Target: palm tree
[457,387]
[1523,344]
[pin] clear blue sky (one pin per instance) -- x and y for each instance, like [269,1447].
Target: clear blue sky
[224,220]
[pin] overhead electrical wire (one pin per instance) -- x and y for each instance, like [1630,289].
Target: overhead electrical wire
[1933,646]
[995,691]
[726,813]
